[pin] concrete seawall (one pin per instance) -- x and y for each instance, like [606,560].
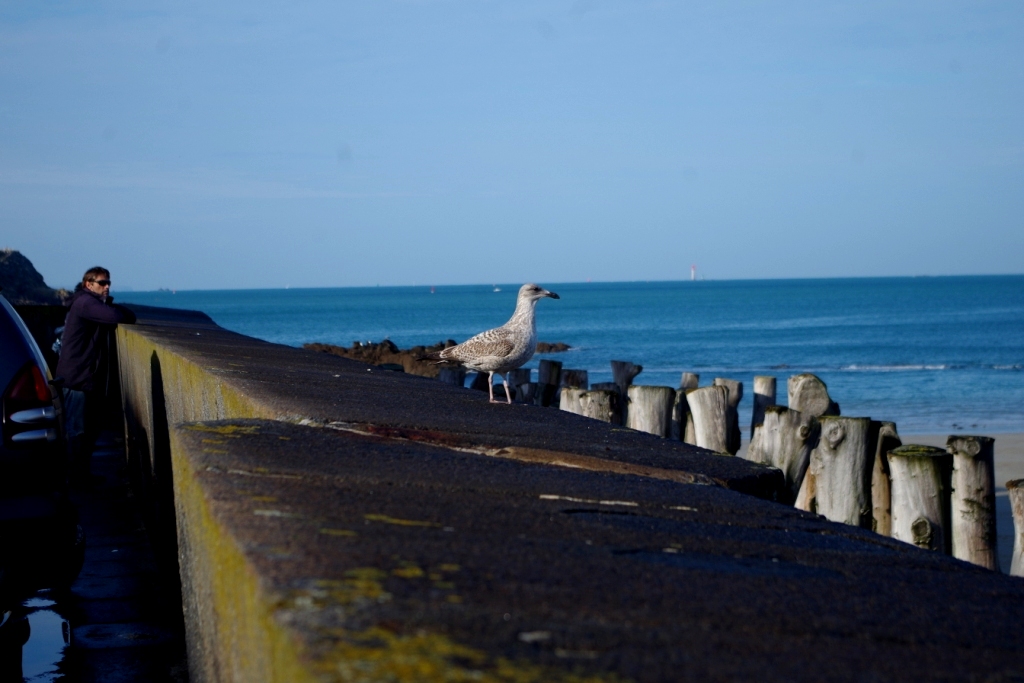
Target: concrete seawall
[337,522]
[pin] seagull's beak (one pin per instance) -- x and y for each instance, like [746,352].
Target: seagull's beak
[551,295]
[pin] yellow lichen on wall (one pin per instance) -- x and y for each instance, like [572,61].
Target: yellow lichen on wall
[191,392]
[378,655]
[230,627]
[232,431]
[231,618]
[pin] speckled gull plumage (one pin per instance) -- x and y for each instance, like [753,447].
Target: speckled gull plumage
[504,348]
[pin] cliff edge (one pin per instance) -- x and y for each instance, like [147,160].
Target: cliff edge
[22,285]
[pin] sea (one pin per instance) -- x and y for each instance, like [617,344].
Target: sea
[936,355]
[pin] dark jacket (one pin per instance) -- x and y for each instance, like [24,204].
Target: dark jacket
[88,340]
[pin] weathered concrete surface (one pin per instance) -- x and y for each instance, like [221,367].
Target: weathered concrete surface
[312,554]
[380,542]
[202,372]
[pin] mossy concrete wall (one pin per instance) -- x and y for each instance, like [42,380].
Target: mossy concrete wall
[232,634]
[336,522]
[162,386]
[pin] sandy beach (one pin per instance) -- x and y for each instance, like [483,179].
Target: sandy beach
[1009,466]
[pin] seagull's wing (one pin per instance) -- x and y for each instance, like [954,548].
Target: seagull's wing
[496,343]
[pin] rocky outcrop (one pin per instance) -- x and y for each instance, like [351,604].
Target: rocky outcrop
[387,353]
[22,285]
[411,360]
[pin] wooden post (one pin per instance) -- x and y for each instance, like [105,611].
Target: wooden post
[808,394]
[623,374]
[755,447]
[973,500]
[920,495]
[527,393]
[520,376]
[548,377]
[456,376]
[785,440]
[615,408]
[806,498]
[732,415]
[680,409]
[682,419]
[842,463]
[571,400]
[764,396]
[1015,489]
[650,409]
[577,379]
[708,406]
[881,505]
[479,382]
[549,372]
[690,433]
[602,404]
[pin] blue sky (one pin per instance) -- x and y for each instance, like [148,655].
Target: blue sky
[236,145]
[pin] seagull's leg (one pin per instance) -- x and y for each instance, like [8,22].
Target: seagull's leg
[504,380]
[490,386]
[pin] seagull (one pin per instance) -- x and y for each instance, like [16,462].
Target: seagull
[504,348]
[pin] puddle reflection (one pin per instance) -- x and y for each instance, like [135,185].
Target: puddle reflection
[33,637]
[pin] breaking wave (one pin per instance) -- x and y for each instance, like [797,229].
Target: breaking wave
[918,367]
[897,368]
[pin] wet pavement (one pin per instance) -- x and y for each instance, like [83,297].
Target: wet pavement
[121,619]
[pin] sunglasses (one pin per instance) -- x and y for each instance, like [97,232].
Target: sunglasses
[101,283]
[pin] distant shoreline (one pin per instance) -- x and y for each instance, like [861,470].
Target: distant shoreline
[509,287]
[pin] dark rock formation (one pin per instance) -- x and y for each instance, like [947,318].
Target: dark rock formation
[387,353]
[411,360]
[21,283]
[552,347]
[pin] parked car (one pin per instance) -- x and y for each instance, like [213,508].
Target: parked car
[41,542]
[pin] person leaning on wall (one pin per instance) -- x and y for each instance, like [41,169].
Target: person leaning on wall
[84,365]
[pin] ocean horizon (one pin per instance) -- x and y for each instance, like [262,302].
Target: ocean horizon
[935,354]
[122,291]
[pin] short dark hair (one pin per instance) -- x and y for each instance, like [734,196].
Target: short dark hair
[95,273]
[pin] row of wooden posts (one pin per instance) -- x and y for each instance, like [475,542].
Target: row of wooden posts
[853,470]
